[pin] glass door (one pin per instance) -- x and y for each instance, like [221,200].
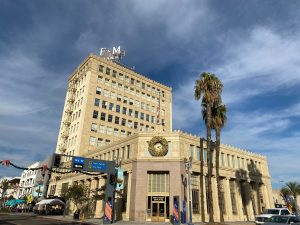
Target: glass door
[155,213]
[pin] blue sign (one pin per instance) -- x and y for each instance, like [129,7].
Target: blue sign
[98,165]
[79,160]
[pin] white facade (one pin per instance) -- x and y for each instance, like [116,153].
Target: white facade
[31,181]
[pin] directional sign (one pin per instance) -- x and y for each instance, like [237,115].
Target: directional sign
[78,163]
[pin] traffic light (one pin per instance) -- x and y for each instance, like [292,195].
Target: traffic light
[56,160]
[112,179]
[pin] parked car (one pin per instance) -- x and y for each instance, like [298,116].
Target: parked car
[283,220]
[268,213]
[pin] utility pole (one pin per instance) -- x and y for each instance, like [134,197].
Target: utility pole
[188,166]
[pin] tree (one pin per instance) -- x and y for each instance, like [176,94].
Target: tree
[83,198]
[209,88]
[218,120]
[4,186]
[293,189]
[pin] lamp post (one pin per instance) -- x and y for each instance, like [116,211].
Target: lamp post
[188,166]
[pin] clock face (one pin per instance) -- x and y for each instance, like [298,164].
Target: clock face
[158,146]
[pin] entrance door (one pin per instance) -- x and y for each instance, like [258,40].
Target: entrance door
[162,212]
[158,212]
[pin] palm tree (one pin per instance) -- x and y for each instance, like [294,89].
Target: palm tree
[218,120]
[4,186]
[209,87]
[293,189]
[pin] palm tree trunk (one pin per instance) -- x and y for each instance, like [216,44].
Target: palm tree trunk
[296,204]
[220,197]
[201,182]
[209,164]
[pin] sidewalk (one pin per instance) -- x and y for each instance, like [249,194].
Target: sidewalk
[97,221]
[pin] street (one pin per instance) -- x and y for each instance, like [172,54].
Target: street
[27,219]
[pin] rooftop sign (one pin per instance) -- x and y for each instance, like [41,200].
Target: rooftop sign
[112,54]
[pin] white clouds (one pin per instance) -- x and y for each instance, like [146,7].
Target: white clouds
[264,62]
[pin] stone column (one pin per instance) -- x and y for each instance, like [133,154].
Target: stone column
[215,198]
[239,202]
[227,197]
[127,215]
[249,206]
[265,196]
[99,203]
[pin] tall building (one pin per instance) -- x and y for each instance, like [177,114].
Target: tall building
[107,101]
[113,113]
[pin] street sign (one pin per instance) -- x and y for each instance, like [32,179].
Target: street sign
[91,165]
[120,179]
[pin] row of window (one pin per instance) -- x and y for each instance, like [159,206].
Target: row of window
[129,90]
[127,100]
[227,160]
[122,153]
[130,80]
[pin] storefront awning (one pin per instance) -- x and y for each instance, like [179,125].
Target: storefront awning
[51,202]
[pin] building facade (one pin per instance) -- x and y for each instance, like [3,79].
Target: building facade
[12,187]
[31,182]
[113,113]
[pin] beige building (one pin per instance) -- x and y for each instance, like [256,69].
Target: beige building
[113,113]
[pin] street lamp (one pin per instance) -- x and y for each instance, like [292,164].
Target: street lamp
[188,166]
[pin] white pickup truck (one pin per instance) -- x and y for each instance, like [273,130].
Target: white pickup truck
[268,213]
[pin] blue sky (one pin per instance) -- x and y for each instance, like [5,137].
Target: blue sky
[253,46]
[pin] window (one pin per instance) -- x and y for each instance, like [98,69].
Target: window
[123,134]
[147,117]
[142,116]
[94,127]
[104,104]
[125,99]
[107,70]
[137,103]
[129,123]
[110,118]
[99,142]
[128,151]
[101,68]
[111,106]
[92,140]
[136,114]
[131,101]
[101,129]
[119,98]
[113,84]
[96,102]
[143,85]
[113,95]
[223,159]
[95,114]
[143,105]
[192,151]
[124,111]
[116,132]
[195,185]
[109,130]
[123,122]
[205,155]
[228,160]
[102,116]
[232,160]
[117,108]
[106,82]
[114,74]
[198,153]
[135,125]
[98,90]
[105,93]
[152,119]
[117,120]
[130,112]
[131,81]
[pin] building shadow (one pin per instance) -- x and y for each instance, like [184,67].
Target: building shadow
[249,184]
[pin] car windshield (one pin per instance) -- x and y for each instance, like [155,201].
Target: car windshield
[272,211]
[279,219]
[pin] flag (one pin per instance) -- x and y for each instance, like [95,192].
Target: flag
[108,211]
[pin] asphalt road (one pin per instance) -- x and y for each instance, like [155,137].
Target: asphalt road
[19,219]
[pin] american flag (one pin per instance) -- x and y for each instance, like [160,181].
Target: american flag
[175,212]
[108,211]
